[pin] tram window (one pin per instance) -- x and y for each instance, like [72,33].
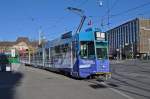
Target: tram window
[87,49]
[102,53]
[57,49]
[40,53]
[65,48]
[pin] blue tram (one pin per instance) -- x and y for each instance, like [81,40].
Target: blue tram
[82,55]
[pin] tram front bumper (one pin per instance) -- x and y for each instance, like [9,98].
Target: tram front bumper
[102,75]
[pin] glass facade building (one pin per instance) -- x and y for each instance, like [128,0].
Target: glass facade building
[130,39]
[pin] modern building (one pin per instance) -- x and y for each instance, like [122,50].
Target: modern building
[131,39]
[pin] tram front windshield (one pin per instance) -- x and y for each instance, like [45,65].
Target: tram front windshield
[101,53]
[87,49]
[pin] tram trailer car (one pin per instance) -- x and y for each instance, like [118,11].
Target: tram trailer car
[82,55]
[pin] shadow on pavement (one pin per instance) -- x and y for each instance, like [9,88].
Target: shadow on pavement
[97,86]
[8,83]
[112,85]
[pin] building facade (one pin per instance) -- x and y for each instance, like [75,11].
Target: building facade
[22,45]
[130,40]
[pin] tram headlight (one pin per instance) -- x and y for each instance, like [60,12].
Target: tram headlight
[103,66]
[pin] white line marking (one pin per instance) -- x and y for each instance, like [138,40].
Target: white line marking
[117,91]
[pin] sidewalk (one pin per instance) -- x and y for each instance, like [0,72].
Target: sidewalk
[116,61]
[127,61]
[15,66]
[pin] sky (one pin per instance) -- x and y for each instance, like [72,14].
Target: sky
[25,18]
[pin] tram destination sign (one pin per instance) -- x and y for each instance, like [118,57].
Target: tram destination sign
[99,36]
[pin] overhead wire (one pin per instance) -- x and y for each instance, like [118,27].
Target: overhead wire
[108,12]
[114,4]
[112,7]
[131,9]
[127,11]
[82,3]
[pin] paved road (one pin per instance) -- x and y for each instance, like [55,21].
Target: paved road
[32,83]
[131,77]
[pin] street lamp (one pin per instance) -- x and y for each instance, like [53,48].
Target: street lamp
[117,53]
[132,50]
[120,52]
[126,45]
[148,48]
[100,3]
[43,50]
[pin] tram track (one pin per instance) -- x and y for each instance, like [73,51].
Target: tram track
[99,83]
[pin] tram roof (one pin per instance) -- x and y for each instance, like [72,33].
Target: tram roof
[82,37]
[57,42]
